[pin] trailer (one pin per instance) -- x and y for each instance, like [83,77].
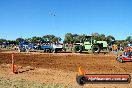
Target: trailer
[50,48]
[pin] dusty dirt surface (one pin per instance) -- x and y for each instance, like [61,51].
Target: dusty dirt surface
[61,68]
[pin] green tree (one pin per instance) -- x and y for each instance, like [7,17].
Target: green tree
[68,38]
[129,38]
[109,39]
[95,36]
[19,40]
[28,40]
[56,39]
[36,39]
[80,38]
[102,37]
[2,40]
[51,38]
[74,38]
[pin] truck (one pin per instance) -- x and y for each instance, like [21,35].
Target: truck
[50,48]
[23,46]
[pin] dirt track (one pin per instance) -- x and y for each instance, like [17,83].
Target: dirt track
[66,64]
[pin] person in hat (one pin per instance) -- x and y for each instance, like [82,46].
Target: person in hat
[115,49]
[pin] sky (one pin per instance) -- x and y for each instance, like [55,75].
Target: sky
[28,18]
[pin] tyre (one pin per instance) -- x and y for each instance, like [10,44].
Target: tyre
[55,51]
[19,50]
[78,49]
[49,51]
[27,50]
[96,49]
[120,60]
[64,49]
[81,80]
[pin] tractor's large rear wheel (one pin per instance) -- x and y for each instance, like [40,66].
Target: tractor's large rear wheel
[96,49]
[55,51]
[78,49]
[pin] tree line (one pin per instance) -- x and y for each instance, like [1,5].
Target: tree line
[69,38]
[74,38]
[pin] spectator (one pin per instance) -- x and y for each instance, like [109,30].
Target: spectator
[118,47]
[128,51]
[115,49]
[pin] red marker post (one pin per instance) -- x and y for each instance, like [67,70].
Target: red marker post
[13,67]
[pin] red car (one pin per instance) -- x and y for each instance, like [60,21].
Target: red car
[123,58]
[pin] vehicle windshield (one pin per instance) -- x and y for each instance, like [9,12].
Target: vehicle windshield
[88,39]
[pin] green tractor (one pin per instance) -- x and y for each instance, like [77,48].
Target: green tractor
[90,44]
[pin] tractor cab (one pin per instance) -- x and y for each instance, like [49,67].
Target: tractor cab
[88,42]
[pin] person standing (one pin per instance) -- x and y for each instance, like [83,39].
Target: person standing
[118,47]
[115,49]
[130,52]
